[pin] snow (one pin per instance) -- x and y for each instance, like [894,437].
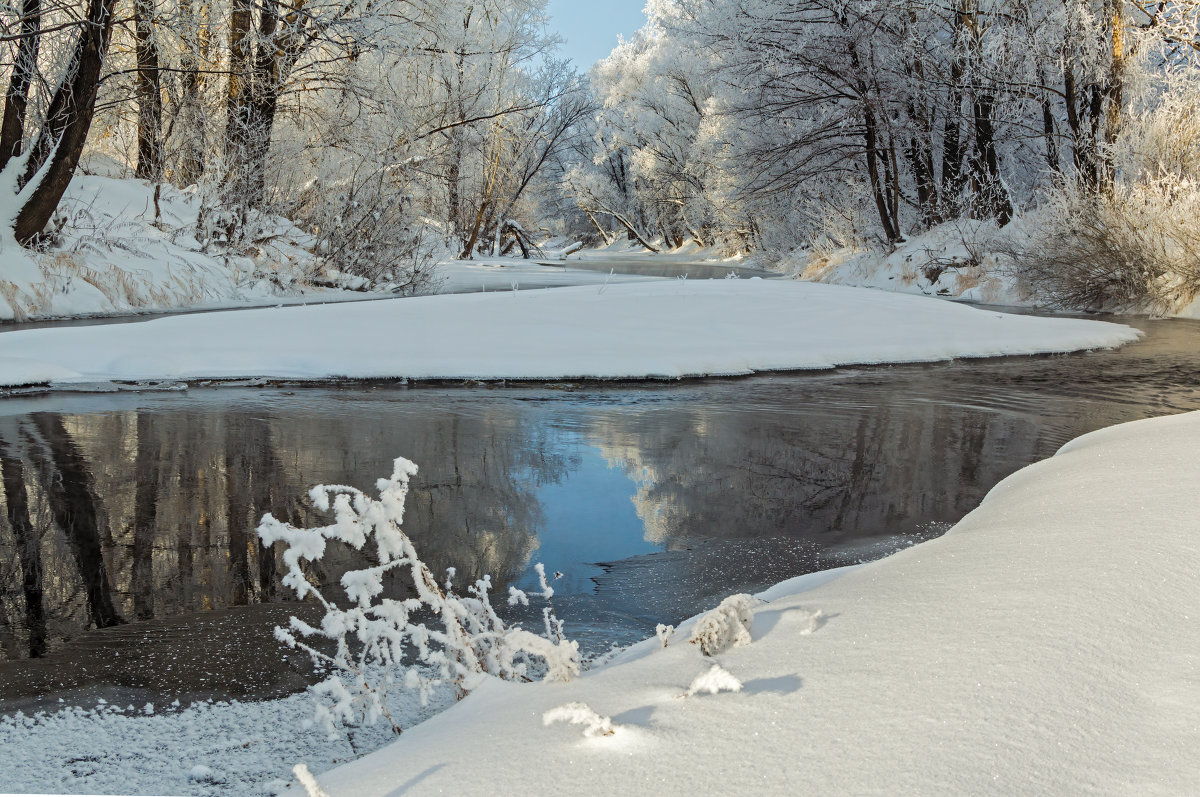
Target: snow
[503,274]
[663,328]
[1046,645]
[202,749]
[115,256]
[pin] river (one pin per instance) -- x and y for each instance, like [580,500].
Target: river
[654,500]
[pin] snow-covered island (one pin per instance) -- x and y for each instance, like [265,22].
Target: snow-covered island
[663,329]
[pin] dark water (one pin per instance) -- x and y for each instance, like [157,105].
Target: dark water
[647,266]
[129,564]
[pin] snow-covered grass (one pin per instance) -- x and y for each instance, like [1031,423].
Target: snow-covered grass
[120,250]
[670,328]
[1047,645]
[956,260]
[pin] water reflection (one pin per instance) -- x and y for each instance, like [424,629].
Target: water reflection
[126,512]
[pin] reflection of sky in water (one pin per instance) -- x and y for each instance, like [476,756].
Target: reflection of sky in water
[589,518]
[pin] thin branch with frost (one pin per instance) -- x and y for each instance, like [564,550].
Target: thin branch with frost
[373,634]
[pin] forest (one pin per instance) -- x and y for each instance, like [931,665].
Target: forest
[1060,137]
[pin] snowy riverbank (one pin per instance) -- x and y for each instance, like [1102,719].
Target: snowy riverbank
[1046,645]
[664,329]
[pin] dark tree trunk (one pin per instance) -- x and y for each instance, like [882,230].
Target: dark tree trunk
[871,151]
[73,503]
[29,550]
[16,99]
[68,119]
[992,196]
[1049,131]
[191,162]
[238,102]
[149,94]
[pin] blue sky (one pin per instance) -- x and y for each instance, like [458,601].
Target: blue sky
[591,27]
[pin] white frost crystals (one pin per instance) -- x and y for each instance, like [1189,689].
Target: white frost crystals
[365,643]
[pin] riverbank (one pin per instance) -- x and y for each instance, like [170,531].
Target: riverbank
[1045,645]
[656,329]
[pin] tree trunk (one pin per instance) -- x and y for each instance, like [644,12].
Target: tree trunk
[191,162]
[992,196]
[871,151]
[16,99]
[149,94]
[68,119]
[73,503]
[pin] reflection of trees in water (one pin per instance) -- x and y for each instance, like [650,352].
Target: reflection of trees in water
[829,473]
[137,515]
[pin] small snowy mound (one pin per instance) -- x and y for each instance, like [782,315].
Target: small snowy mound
[580,714]
[716,680]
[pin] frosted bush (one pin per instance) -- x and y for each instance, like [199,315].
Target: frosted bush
[727,626]
[377,641]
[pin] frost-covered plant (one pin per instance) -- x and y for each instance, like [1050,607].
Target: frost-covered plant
[581,714]
[727,626]
[377,641]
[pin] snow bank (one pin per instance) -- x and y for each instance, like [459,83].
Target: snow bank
[670,328]
[1047,645]
[121,249]
[952,261]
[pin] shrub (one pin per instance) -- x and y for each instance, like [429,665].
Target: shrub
[375,640]
[1135,247]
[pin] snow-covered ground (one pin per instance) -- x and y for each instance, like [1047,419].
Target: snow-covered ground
[202,749]
[952,261]
[116,255]
[120,251]
[662,328]
[1047,645]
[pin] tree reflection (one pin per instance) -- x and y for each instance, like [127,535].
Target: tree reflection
[153,514]
[823,474]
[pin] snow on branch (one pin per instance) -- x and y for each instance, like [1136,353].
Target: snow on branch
[375,640]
